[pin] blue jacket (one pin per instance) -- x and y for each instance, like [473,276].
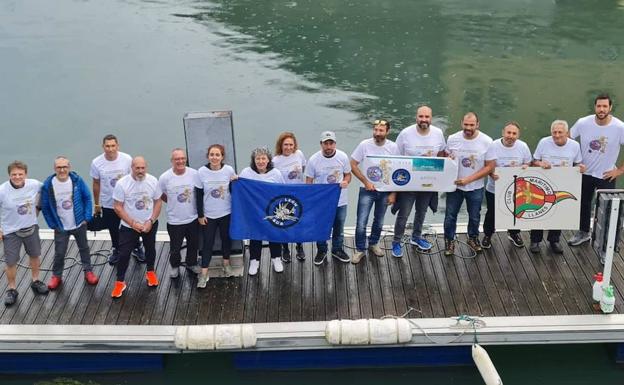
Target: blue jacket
[81,197]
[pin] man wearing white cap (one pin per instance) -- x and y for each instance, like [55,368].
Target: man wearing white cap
[331,165]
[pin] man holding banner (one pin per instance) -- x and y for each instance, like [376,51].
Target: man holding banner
[420,139]
[468,147]
[330,166]
[368,195]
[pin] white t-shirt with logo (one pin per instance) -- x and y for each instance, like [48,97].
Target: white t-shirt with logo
[216,186]
[330,170]
[109,172]
[180,192]
[291,166]
[64,202]
[369,147]
[273,176]
[514,156]
[600,145]
[18,207]
[558,156]
[470,155]
[412,143]
[137,196]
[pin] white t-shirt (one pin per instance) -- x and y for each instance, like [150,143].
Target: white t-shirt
[273,176]
[18,207]
[217,199]
[514,156]
[369,147]
[412,143]
[329,170]
[470,155]
[558,156]
[64,202]
[109,172]
[600,145]
[180,192]
[137,196]
[291,166]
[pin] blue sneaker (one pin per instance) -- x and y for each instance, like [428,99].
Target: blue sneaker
[421,243]
[397,250]
[139,254]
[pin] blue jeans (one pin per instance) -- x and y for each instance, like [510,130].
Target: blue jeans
[337,231]
[454,201]
[366,200]
[61,242]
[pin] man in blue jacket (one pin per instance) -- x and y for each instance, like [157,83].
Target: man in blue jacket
[67,207]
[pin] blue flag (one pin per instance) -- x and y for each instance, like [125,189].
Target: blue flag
[283,212]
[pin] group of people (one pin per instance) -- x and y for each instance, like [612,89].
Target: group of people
[129,199]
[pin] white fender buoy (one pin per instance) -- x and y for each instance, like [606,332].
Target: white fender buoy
[368,331]
[211,337]
[486,367]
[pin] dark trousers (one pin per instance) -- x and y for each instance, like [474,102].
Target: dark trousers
[255,249]
[177,233]
[111,221]
[61,241]
[488,223]
[128,239]
[210,230]
[538,235]
[589,185]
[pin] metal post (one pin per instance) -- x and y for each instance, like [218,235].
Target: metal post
[610,249]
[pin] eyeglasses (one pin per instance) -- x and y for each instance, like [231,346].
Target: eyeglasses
[381,122]
[61,167]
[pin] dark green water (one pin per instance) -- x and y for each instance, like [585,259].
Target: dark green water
[71,71]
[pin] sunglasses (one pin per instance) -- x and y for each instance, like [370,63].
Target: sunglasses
[382,122]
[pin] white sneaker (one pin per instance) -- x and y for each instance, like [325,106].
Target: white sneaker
[357,256]
[376,250]
[227,271]
[254,265]
[174,272]
[202,280]
[277,265]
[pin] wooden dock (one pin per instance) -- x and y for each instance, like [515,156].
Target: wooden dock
[502,281]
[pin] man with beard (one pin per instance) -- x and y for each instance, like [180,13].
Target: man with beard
[137,203]
[369,196]
[331,166]
[601,136]
[420,139]
[556,150]
[509,151]
[468,147]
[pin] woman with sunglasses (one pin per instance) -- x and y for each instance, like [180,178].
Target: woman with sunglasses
[261,168]
[290,161]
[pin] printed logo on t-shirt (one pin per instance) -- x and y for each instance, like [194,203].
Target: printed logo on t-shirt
[599,144]
[25,209]
[294,173]
[142,204]
[333,177]
[114,180]
[469,162]
[218,193]
[184,196]
[67,204]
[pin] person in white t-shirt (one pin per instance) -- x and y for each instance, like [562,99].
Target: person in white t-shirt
[601,136]
[556,150]
[106,169]
[291,162]
[368,195]
[19,206]
[509,151]
[67,207]
[469,148]
[420,139]
[214,207]
[178,192]
[137,203]
[261,168]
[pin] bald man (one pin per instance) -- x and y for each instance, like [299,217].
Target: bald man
[137,203]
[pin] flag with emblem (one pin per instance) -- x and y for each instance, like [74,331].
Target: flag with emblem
[531,197]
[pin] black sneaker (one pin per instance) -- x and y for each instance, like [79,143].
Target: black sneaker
[534,248]
[319,258]
[39,287]
[139,254]
[10,297]
[300,253]
[341,256]
[114,257]
[556,248]
[286,254]
[516,239]
[486,242]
